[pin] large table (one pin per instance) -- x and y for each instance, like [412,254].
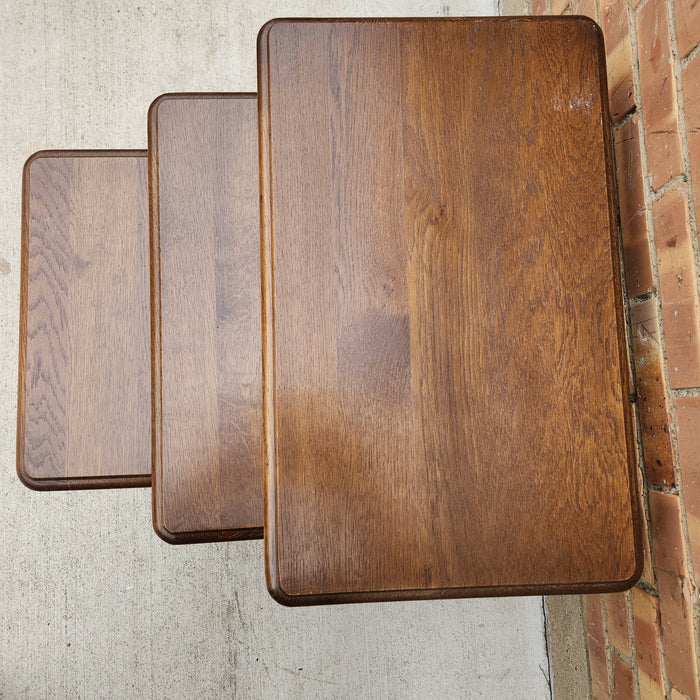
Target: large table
[446,398]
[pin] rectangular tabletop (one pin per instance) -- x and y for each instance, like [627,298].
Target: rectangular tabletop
[84,369]
[207,418]
[446,399]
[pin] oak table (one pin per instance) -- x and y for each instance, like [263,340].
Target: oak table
[84,371]
[207,386]
[446,398]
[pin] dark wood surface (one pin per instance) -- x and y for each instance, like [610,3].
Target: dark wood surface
[446,399]
[207,417]
[84,369]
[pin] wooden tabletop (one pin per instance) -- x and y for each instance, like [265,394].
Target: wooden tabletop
[446,400]
[207,418]
[84,369]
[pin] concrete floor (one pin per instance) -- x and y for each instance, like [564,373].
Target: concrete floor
[92,603]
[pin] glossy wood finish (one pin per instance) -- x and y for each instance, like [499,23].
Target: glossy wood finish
[207,417]
[446,402]
[84,372]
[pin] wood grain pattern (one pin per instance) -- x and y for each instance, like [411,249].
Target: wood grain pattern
[445,395]
[207,417]
[84,373]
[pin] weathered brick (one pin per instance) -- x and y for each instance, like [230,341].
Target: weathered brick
[595,634]
[648,570]
[635,251]
[675,595]
[691,101]
[557,7]
[651,395]
[687,25]
[628,169]
[623,679]
[658,93]
[618,626]
[647,636]
[688,432]
[639,278]
[587,8]
[593,609]
[678,285]
[618,48]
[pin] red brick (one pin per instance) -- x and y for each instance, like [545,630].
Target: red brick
[557,7]
[593,608]
[679,289]
[635,241]
[647,637]
[651,395]
[691,101]
[630,185]
[688,432]
[675,595]
[658,88]
[618,48]
[587,8]
[676,695]
[539,7]
[595,634]
[628,167]
[623,679]
[687,25]
[618,625]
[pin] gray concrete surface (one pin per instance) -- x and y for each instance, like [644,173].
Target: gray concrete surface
[92,603]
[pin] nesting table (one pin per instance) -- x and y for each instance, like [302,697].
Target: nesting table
[207,386]
[84,363]
[386,314]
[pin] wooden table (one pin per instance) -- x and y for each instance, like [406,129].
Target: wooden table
[446,398]
[207,418]
[84,371]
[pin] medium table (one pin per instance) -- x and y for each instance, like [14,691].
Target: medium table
[207,408]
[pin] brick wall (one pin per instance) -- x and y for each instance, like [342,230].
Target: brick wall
[644,643]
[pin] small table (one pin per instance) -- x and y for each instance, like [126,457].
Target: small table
[84,371]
